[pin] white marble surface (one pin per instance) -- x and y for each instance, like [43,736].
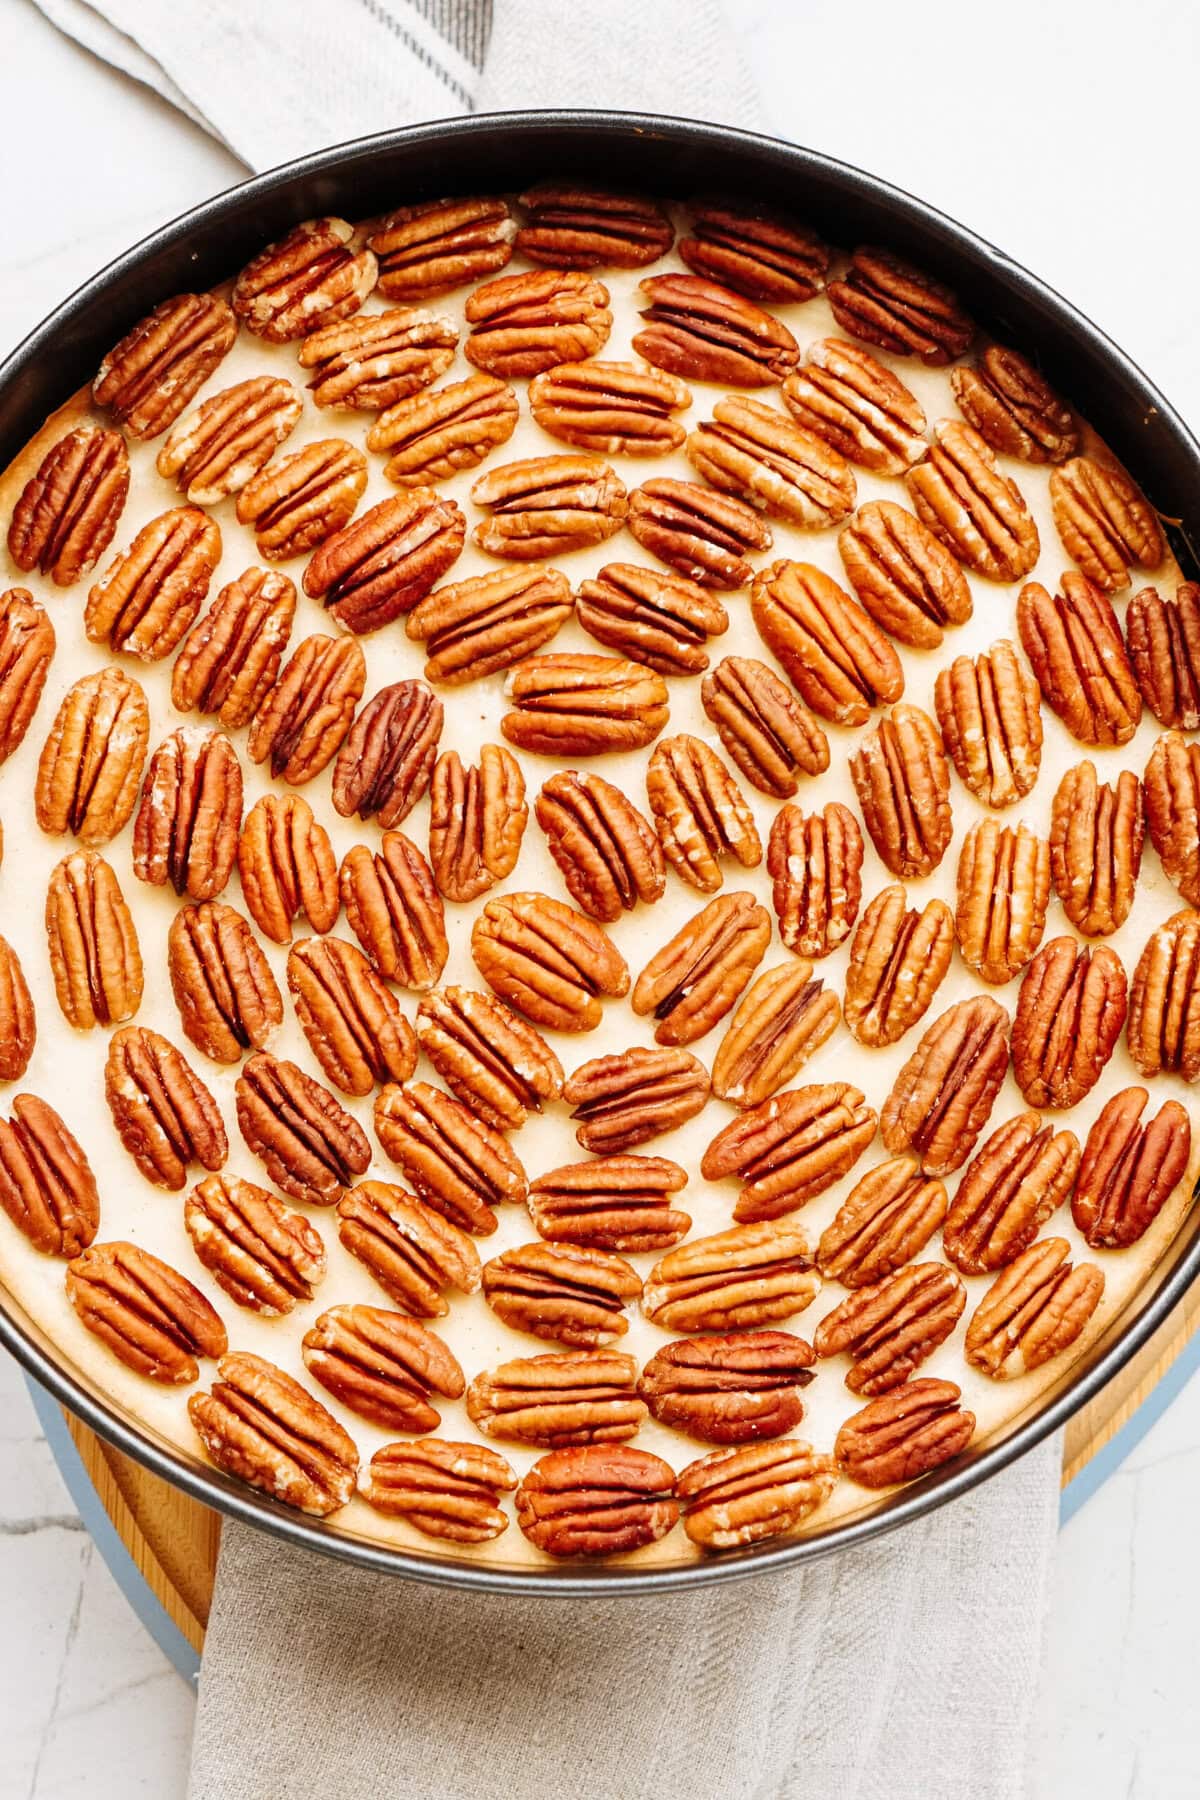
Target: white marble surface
[1065,133]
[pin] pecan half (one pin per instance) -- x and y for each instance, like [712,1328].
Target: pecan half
[704,332]
[569,705]
[231,656]
[564,1398]
[976,510]
[163,1113]
[1019,1178]
[887,1219]
[287,867]
[1106,523]
[610,408]
[446,1490]
[791,1147]
[614,1203]
[991,724]
[1069,1016]
[352,1021]
[186,830]
[751,1275]
[857,406]
[815,865]
[729,1388]
[378,359]
[903,1435]
[94,954]
[477,819]
[1033,1311]
[1164,1000]
[886,301]
[67,512]
[663,621]
[413,1253]
[18,1024]
[308,1143]
[902,781]
[898,959]
[304,498]
[263,1427]
[26,647]
[216,449]
[606,852]
[694,980]
[766,731]
[91,764]
[1172,789]
[597,1501]
[222,982]
[549,961]
[624,1100]
[745,1494]
[1074,644]
[837,658]
[706,536]
[152,1318]
[383,1366]
[889,1328]
[441,244]
[566,1294]
[546,505]
[455,1162]
[523,324]
[755,250]
[941,1098]
[758,454]
[573,227]
[432,437]
[266,1257]
[311,277]
[1096,833]
[307,714]
[147,379]
[1014,409]
[1163,637]
[46,1183]
[782,1019]
[489,622]
[497,1064]
[380,565]
[395,911]
[384,766]
[699,811]
[1003,892]
[905,577]
[1129,1169]
[149,597]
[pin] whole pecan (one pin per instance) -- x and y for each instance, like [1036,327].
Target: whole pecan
[477,819]
[697,976]
[26,647]
[18,1024]
[378,359]
[791,1147]
[572,227]
[150,595]
[1033,1311]
[976,510]
[705,332]
[1106,523]
[546,505]
[383,1366]
[886,301]
[766,731]
[566,1397]
[266,1257]
[1096,833]
[488,622]
[152,1318]
[837,658]
[991,724]
[731,1387]
[941,1098]
[1069,1016]
[380,565]
[231,656]
[383,767]
[747,1493]
[760,455]
[857,406]
[186,830]
[888,1218]
[705,535]
[754,250]
[497,1064]
[1017,1180]
[456,1163]
[902,781]
[163,1113]
[661,620]
[782,1019]
[352,1021]
[310,1146]
[216,449]
[903,1435]
[445,1490]
[1003,892]
[749,1276]
[441,244]
[815,865]
[94,953]
[395,911]
[549,961]
[1163,637]
[571,705]
[432,437]
[1164,1000]
[263,1427]
[621,1101]
[1172,788]
[898,960]
[1014,408]
[287,867]
[413,1253]
[1074,643]
[598,1500]
[610,408]
[563,1293]
[222,982]
[91,764]
[525,323]
[67,512]
[147,379]
[1129,1169]
[612,1203]
[905,577]
[46,1183]
[303,498]
[700,813]
[606,851]
[890,1327]
[307,714]
[309,278]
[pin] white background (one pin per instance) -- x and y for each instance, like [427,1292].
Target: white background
[1066,133]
